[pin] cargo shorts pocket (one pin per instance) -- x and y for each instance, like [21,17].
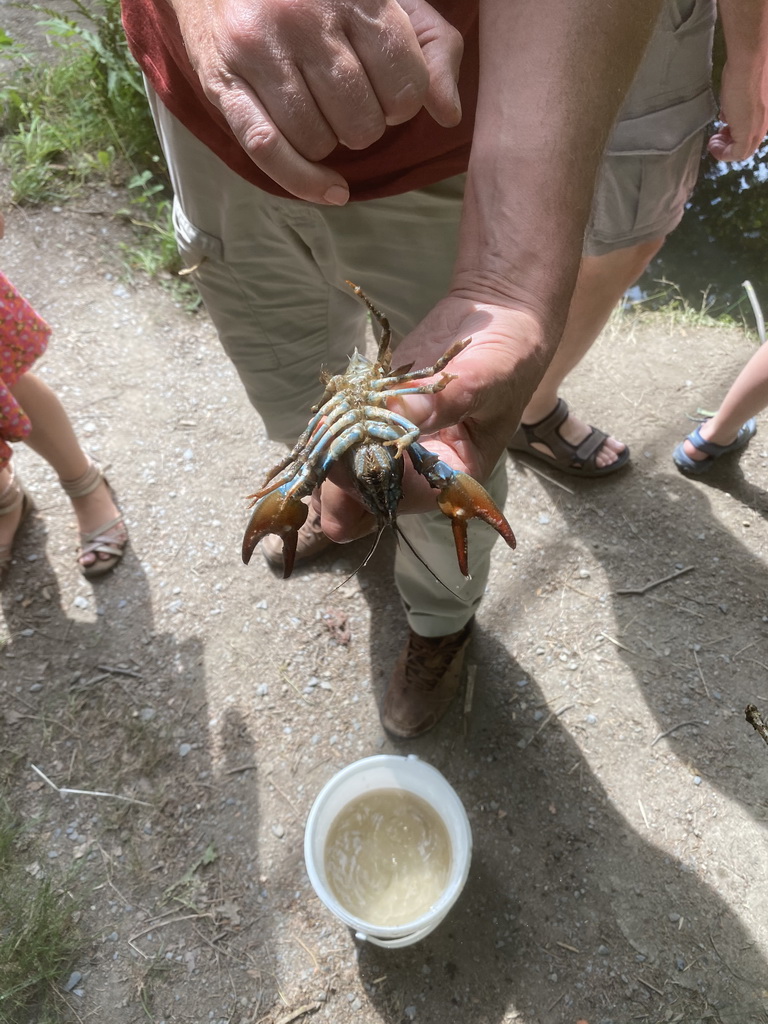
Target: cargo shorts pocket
[194,245]
[642,196]
[227,301]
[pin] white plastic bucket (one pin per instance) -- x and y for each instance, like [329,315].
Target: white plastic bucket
[388,771]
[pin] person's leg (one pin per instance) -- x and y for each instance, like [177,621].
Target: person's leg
[746,397]
[11,511]
[602,282]
[54,439]
[272,273]
[650,167]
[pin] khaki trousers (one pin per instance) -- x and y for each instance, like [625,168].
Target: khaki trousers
[272,275]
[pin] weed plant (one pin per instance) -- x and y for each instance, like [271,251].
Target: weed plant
[39,939]
[82,118]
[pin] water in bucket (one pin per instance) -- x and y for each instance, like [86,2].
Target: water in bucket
[387,848]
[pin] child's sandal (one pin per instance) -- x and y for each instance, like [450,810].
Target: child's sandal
[13,497]
[712,451]
[107,539]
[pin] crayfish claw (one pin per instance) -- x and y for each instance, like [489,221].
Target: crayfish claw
[276,513]
[461,498]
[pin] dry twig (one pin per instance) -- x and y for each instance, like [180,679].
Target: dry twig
[86,792]
[654,583]
[755,719]
[309,1008]
[469,695]
[674,728]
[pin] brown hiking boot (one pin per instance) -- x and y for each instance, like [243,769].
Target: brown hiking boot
[311,543]
[425,681]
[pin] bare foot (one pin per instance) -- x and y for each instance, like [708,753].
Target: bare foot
[574,430]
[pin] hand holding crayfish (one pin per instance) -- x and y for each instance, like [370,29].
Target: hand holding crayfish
[354,424]
[469,423]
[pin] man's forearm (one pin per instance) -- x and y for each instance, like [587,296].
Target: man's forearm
[745,27]
[552,79]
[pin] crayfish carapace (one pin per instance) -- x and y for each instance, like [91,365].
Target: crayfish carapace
[352,423]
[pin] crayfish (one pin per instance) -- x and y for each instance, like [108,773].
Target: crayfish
[352,423]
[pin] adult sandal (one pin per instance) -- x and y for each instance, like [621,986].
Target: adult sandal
[712,451]
[13,497]
[573,459]
[108,539]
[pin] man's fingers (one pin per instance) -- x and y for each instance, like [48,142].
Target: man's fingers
[274,154]
[727,149]
[349,104]
[343,518]
[442,48]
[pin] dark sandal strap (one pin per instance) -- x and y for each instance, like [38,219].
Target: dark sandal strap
[537,431]
[546,432]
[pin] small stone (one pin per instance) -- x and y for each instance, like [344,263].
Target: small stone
[74,979]
[278,831]
[697,780]
[184,749]
[80,601]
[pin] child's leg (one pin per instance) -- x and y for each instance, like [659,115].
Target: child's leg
[53,438]
[747,396]
[10,519]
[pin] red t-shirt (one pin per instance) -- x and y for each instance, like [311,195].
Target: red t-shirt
[407,156]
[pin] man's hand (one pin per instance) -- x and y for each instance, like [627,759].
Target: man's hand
[744,111]
[296,78]
[468,423]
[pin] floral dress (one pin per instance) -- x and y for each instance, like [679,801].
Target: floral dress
[23,339]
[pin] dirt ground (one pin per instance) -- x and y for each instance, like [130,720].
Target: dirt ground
[617,796]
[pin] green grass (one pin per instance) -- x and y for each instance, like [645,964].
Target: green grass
[82,119]
[39,940]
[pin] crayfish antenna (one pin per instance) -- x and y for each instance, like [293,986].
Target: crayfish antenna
[401,536]
[364,562]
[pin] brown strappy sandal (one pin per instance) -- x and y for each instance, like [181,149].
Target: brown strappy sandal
[105,539]
[573,459]
[14,496]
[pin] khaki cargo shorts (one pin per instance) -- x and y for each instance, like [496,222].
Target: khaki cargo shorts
[654,155]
